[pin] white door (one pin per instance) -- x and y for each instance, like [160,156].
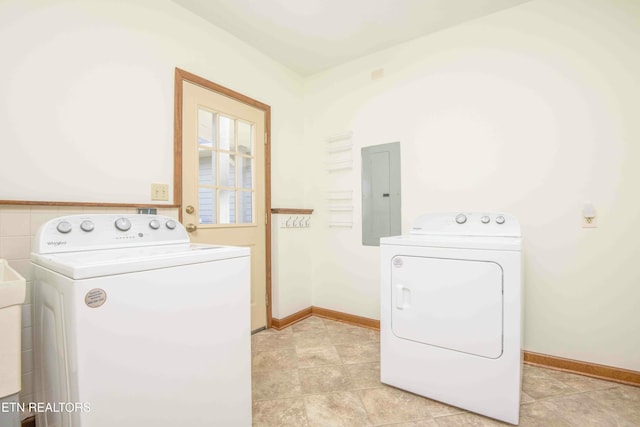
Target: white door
[224,180]
[449,303]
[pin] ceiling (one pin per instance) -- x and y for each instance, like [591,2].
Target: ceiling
[309,36]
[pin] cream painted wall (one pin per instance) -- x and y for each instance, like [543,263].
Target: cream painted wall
[290,268]
[533,111]
[86,97]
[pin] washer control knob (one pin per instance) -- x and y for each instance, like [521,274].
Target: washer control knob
[154,223]
[461,218]
[500,219]
[123,224]
[87,226]
[485,219]
[64,227]
[171,224]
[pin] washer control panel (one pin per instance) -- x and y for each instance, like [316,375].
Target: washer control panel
[107,231]
[467,224]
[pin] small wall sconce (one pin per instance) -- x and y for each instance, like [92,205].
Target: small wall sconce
[588,212]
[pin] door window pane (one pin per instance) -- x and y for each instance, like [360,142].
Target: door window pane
[207,205]
[206,128]
[245,138]
[227,207]
[227,170]
[227,133]
[245,207]
[207,166]
[245,172]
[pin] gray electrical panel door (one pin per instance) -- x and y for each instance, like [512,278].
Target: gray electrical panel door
[380,192]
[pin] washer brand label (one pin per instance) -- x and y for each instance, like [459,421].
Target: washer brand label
[397,262]
[57,243]
[95,298]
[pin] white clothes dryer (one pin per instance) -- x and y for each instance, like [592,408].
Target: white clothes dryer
[135,326]
[450,323]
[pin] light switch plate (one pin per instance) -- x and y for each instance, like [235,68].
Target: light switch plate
[159,192]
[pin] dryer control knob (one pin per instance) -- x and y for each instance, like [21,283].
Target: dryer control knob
[461,218]
[171,224]
[485,219]
[64,227]
[500,219]
[87,226]
[154,223]
[123,224]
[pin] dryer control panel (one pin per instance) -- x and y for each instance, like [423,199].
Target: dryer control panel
[467,224]
[107,231]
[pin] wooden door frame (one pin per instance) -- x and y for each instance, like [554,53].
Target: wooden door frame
[185,76]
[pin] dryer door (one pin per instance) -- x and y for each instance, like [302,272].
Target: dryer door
[449,303]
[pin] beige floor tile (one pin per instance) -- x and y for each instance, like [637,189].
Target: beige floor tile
[275,384]
[468,419]
[279,413]
[311,338]
[581,410]
[364,375]
[537,384]
[323,379]
[308,324]
[317,356]
[338,380]
[439,409]
[386,405]
[541,414]
[525,398]
[341,409]
[621,402]
[274,360]
[630,393]
[430,422]
[332,325]
[285,331]
[264,341]
[359,353]
[578,382]
[354,336]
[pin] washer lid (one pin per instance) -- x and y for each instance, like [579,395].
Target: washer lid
[107,262]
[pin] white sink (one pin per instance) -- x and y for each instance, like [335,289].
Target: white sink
[12,293]
[12,286]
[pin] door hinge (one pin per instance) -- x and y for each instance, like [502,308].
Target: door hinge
[266,219]
[266,299]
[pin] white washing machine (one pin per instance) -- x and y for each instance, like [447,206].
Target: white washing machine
[135,326]
[451,312]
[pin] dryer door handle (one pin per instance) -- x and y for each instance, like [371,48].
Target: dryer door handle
[403,297]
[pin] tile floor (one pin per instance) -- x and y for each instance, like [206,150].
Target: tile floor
[320,372]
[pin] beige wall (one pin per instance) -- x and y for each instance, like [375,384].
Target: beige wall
[533,111]
[290,266]
[86,97]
